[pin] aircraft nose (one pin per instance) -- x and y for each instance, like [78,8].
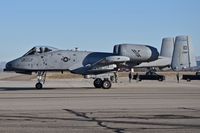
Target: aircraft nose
[154,53]
[9,66]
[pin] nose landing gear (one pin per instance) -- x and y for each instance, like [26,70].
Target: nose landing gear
[41,77]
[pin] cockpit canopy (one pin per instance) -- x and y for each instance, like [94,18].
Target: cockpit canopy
[39,50]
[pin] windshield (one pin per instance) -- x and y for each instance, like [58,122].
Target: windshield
[39,49]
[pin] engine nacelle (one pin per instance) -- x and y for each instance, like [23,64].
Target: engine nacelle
[137,53]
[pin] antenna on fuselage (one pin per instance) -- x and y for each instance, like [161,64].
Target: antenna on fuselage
[76,48]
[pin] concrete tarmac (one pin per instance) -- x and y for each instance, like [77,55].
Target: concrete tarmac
[74,106]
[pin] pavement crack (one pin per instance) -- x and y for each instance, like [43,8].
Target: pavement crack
[100,123]
[31,118]
[192,109]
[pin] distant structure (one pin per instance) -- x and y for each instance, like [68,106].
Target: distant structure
[198,60]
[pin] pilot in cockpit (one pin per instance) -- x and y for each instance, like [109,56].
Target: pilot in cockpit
[41,50]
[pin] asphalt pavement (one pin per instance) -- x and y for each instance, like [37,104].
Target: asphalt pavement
[75,106]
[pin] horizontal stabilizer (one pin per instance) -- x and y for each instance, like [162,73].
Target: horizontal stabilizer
[161,63]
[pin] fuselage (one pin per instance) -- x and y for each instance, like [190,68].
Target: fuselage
[61,60]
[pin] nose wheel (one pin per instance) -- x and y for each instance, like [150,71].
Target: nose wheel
[38,85]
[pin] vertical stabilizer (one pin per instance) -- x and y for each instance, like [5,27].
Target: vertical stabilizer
[116,49]
[167,47]
[182,55]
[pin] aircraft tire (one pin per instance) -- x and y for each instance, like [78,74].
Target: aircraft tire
[38,85]
[160,79]
[98,83]
[106,84]
[188,80]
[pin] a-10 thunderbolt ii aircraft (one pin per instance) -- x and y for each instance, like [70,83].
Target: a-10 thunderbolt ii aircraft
[97,65]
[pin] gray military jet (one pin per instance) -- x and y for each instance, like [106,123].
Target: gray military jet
[97,65]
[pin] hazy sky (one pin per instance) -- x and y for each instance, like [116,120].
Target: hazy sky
[94,25]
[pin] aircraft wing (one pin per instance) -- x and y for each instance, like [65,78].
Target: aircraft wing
[111,60]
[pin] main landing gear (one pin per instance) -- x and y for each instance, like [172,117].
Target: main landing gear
[105,84]
[41,76]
